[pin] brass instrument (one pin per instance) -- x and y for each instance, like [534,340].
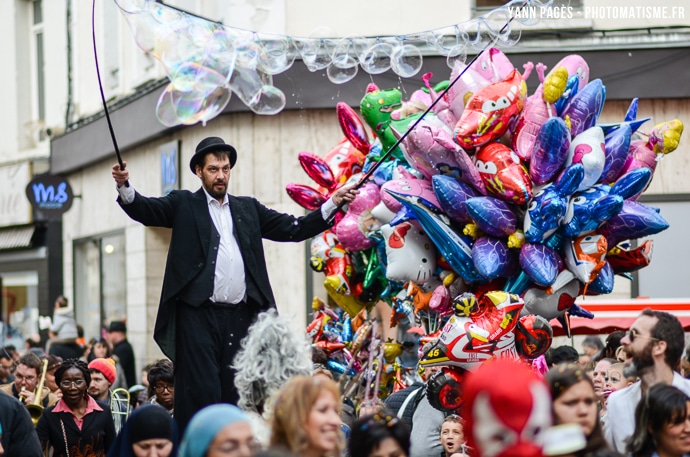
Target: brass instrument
[119,407]
[36,407]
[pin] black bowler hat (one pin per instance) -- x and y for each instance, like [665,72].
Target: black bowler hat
[211,144]
[117,326]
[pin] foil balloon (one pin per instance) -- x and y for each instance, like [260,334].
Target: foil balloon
[353,127]
[503,174]
[488,331]
[490,67]
[408,186]
[353,228]
[603,283]
[588,209]
[376,107]
[518,411]
[411,255]
[550,150]
[305,196]
[631,184]
[451,195]
[572,86]
[626,259]
[635,220]
[331,258]
[490,112]
[533,336]
[455,249]
[551,305]
[616,145]
[492,216]
[533,116]
[540,263]
[584,108]
[576,66]
[555,84]
[430,150]
[329,172]
[587,148]
[585,256]
[493,259]
[548,206]
[663,139]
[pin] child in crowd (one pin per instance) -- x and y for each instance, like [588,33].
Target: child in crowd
[453,437]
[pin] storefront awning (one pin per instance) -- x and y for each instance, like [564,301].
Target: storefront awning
[614,315]
[16,237]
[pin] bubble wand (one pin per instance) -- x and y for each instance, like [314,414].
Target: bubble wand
[402,137]
[100,86]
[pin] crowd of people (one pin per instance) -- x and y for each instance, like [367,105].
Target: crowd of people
[587,404]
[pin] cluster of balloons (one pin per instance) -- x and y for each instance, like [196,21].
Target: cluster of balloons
[496,206]
[206,61]
[356,353]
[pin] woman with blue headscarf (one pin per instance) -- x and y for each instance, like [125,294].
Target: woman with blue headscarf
[219,430]
[149,432]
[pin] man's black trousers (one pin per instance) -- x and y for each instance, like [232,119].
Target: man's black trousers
[208,337]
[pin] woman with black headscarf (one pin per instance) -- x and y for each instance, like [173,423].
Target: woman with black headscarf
[149,432]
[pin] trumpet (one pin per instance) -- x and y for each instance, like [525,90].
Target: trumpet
[35,407]
[119,407]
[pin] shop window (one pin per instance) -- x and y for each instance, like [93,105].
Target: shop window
[99,282]
[19,312]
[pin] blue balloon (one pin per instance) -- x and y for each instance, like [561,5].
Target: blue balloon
[451,195]
[492,215]
[635,220]
[547,208]
[584,108]
[493,259]
[540,263]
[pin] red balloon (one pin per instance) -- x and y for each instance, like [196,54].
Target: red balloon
[353,127]
[491,111]
[503,174]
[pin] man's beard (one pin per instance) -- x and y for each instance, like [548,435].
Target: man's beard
[640,362]
[216,194]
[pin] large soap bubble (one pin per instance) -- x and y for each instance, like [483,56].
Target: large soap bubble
[377,58]
[406,60]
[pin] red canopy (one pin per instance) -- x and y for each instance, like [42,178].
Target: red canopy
[611,315]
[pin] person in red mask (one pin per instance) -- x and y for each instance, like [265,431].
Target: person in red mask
[507,409]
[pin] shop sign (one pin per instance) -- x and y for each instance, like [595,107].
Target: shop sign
[49,194]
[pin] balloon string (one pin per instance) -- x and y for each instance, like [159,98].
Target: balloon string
[405,134]
[100,86]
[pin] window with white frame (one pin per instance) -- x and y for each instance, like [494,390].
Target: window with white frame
[99,282]
[37,31]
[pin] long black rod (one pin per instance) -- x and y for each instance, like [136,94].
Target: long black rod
[100,86]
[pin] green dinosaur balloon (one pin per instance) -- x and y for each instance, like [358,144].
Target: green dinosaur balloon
[376,107]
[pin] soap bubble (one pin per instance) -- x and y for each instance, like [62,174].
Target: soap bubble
[248,83]
[377,58]
[271,100]
[406,60]
[277,54]
[132,6]
[316,53]
[201,104]
[342,69]
[457,55]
